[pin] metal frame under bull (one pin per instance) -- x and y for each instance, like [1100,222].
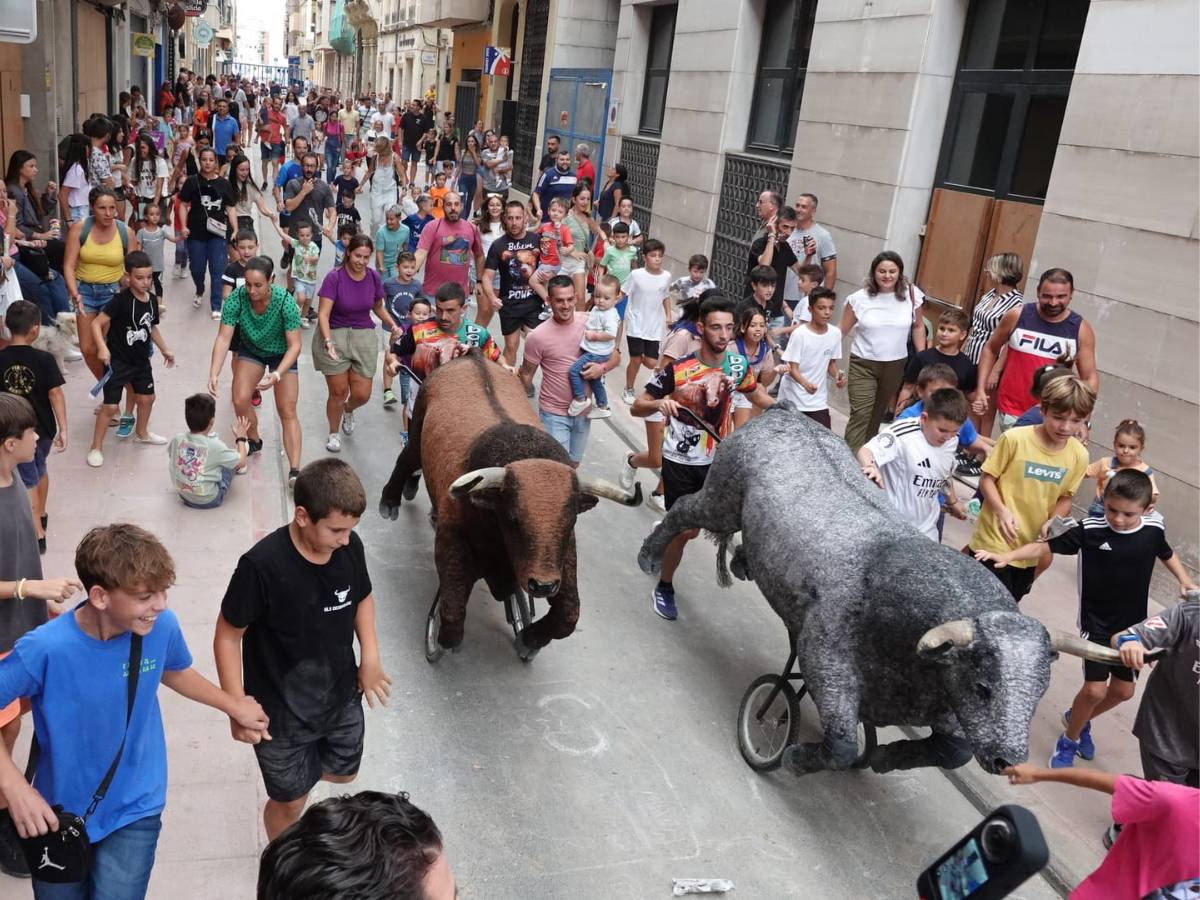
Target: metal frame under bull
[505,497]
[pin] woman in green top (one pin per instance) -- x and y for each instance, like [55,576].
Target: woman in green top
[266,322]
[583,231]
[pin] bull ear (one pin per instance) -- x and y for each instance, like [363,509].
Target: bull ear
[587,501]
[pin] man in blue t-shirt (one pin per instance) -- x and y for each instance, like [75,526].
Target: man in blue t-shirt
[293,168]
[556,182]
[225,128]
[75,671]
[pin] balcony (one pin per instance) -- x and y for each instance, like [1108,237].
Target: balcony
[450,13]
[360,13]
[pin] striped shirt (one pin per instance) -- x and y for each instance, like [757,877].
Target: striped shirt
[987,314]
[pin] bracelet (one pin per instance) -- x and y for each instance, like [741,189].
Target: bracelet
[19,593]
[1126,638]
[242,440]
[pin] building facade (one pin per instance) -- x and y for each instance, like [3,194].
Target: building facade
[410,58]
[948,130]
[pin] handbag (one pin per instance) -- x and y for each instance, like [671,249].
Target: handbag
[65,856]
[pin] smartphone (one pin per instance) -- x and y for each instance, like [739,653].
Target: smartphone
[996,856]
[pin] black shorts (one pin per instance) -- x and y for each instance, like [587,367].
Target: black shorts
[1098,671]
[1017,581]
[291,764]
[642,347]
[680,480]
[517,314]
[139,377]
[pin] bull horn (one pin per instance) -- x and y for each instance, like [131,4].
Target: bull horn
[1062,642]
[598,487]
[960,633]
[477,480]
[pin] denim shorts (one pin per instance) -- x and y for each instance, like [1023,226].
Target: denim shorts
[410,154]
[570,431]
[96,296]
[269,362]
[32,471]
[310,287]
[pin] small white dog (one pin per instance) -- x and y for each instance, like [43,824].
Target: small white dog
[61,340]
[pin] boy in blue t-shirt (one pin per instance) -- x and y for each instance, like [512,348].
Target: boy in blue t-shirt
[417,223]
[933,378]
[399,293]
[75,668]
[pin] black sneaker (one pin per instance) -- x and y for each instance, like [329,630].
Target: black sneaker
[255,447]
[969,466]
[12,858]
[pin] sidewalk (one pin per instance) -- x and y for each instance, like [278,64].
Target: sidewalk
[1073,820]
[212,833]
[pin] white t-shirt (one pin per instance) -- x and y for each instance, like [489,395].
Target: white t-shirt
[801,312]
[634,228]
[145,185]
[644,316]
[813,352]
[884,324]
[77,184]
[914,471]
[825,252]
[606,320]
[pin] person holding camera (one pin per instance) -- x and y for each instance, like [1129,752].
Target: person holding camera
[1156,852]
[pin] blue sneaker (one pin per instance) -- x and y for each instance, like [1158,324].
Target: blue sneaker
[1087,748]
[403,439]
[664,601]
[125,427]
[1065,752]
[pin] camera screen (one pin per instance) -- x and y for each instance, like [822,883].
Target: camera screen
[962,873]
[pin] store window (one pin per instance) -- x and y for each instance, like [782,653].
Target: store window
[1010,96]
[779,77]
[658,69]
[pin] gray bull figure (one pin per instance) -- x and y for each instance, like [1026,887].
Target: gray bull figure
[890,628]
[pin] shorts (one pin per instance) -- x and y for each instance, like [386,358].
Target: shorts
[357,350]
[264,150]
[267,361]
[1098,671]
[410,154]
[96,296]
[12,712]
[292,764]
[278,151]
[309,288]
[33,471]
[572,266]
[218,498]
[545,272]
[1004,421]
[1154,767]
[139,377]
[1018,581]
[518,314]
[642,347]
[819,415]
[679,480]
[570,431]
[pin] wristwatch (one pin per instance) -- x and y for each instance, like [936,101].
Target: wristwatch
[242,440]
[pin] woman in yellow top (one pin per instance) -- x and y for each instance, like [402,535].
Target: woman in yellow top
[94,268]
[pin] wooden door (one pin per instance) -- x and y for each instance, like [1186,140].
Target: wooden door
[92,63]
[12,130]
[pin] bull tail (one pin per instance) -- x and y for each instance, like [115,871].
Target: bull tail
[724,578]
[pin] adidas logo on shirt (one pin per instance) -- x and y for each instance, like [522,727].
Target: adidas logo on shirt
[1104,546]
[924,464]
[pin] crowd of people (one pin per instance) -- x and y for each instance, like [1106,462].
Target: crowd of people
[574,282]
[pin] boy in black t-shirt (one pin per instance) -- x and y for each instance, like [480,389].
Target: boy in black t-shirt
[123,332]
[1117,554]
[285,635]
[951,334]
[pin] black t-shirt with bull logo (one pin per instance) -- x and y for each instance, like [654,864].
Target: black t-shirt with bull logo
[707,392]
[130,321]
[209,197]
[298,649]
[516,259]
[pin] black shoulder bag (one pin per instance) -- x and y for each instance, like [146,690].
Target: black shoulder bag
[65,856]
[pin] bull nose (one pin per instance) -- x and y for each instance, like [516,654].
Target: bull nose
[1001,763]
[537,588]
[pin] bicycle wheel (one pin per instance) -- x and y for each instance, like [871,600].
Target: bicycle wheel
[765,729]
[518,609]
[433,626]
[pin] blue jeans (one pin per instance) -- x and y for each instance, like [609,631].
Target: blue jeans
[578,382]
[208,252]
[570,431]
[333,156]
[222,488]
[121,865]
[466,190]
[50,296]
[94,297]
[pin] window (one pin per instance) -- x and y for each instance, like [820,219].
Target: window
[1010,95]
[779,78]
[658,69]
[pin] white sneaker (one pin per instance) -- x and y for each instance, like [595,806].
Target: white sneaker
[216,315]
[578,406]
[150,438]
[627,396]
[333,444]
[347,423]
[600,412]
[197,300]
[305,323]
[72,356]
[656,503]
[628,476]
[95,459]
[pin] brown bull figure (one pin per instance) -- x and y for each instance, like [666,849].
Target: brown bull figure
[504,494]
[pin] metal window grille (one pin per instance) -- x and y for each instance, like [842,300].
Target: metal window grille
[641,159]
[533,58]
[742,180]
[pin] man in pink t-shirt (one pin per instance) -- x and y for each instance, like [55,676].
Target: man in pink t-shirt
[446,248]
[554,346]
[1159,843]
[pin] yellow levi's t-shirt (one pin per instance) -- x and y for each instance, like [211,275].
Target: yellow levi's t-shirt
[1031,478]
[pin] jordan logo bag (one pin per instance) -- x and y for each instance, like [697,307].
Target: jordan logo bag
[65,856]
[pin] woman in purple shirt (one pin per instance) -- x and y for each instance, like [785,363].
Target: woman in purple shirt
[345,348]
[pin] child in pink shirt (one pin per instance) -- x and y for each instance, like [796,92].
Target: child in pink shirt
[1159,843]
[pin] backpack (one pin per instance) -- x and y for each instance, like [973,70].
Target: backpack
[121,230]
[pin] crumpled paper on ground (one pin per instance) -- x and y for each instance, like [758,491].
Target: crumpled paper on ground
[681,886]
